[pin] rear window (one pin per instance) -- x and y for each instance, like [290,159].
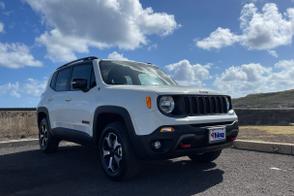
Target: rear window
[63,80]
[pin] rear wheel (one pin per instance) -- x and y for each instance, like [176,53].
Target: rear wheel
[48,143]
[116,156]
[205,157]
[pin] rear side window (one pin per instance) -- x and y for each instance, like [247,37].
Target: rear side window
[53,80]
[63,80]
[82,71]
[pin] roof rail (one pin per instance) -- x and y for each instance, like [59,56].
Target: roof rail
[89,58]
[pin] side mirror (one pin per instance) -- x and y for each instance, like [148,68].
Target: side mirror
[79,84]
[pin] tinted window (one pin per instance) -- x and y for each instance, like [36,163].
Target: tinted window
[63,79]
[93,80]
[82,71]
[53,80]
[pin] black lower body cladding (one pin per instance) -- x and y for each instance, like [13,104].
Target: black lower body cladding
[195,137]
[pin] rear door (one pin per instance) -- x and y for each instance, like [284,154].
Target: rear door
[58,100]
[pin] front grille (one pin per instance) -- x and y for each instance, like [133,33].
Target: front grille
[206,105]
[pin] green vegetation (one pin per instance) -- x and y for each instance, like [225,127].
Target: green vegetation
[283,99]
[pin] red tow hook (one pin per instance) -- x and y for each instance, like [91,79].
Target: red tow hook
[185,145]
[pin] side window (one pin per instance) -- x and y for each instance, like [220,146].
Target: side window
[93,80]
[63,80]
[53,80]
[82,71]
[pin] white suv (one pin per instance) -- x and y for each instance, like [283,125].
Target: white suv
[132,111]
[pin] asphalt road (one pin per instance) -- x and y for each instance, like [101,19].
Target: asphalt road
[74,170]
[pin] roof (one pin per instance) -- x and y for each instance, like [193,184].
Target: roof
[89,58]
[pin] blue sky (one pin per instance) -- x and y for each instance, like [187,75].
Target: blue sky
[237,47]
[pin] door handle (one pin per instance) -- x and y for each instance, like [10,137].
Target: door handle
[68,100]
[50,99]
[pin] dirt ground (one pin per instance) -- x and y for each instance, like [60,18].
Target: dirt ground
[283,134]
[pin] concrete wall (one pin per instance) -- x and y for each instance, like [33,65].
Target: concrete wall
[17,123]
[265,116]
[21,123]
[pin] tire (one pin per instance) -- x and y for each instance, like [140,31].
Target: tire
[116,155]
[48,143]
[206,157]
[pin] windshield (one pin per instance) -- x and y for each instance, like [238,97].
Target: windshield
[133,73]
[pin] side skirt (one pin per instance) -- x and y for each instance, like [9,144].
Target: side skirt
[72,136]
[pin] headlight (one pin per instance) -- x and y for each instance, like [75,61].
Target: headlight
[228,103]
[166,104]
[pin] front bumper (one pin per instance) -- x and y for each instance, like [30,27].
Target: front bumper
[185,140]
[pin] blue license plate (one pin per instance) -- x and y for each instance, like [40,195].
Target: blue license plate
[217,134]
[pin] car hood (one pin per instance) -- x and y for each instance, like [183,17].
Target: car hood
[167,89]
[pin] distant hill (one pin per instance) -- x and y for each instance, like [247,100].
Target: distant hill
[283,99]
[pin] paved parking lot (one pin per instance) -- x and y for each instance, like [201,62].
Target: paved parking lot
[74,170]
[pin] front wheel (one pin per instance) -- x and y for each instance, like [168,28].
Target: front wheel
[205,157]
[116,156]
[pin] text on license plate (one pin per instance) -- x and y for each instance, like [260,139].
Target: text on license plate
[217,134]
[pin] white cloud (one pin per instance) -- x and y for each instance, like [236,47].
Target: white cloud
[218,39]
[152,47]
[116,56]
[11,89]
[285,64]
[34,87]
[263,29]
[186,73]
[63,48]
[267,29]
[16,55]
[104,23]
[30,87]
[254,78]
[273,53]
[2,5]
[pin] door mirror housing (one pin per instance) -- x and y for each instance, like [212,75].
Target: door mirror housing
[79,84]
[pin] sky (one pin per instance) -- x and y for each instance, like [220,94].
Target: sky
[234,47]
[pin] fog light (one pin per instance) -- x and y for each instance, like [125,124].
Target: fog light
[167,130]
[157,145]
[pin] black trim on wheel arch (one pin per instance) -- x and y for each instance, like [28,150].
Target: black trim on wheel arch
[45,111]
[123,113]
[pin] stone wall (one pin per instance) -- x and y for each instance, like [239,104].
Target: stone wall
[265,116]
[17,123]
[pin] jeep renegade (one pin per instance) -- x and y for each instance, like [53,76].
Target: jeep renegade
[132,111]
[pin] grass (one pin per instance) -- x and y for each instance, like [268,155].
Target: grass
[275,130]
[283,99]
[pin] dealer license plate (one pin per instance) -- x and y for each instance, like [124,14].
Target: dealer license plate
[217,134]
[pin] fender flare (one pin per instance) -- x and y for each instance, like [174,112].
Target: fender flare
[45,111]
[122,112]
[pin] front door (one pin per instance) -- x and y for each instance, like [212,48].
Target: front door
[81,105]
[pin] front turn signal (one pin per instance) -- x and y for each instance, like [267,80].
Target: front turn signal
[148,102]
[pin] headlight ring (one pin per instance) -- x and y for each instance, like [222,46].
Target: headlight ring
[166,104]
